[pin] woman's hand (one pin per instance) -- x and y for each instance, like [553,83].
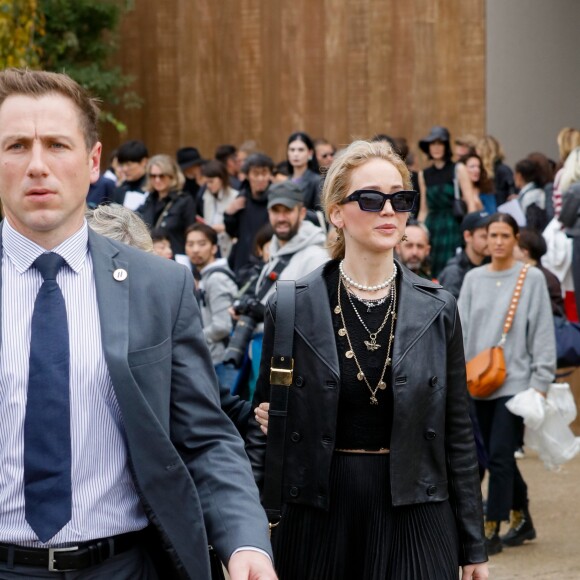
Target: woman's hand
[475,572]
[467,190]
[261,412]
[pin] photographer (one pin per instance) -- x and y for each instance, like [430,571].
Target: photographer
[296,249]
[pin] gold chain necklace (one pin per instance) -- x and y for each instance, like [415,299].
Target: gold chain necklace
[372,344]
[350,354]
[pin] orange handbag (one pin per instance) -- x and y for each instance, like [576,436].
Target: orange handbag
[486,371]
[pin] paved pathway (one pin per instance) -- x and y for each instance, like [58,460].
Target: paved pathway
[555,508]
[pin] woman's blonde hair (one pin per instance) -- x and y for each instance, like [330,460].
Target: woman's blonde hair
[490,151]
[568,138]
[337,182]
[570,170]
[169,167]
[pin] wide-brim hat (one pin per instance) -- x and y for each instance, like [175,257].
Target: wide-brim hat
[188,157]
[437,134]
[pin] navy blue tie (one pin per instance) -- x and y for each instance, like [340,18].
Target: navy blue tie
[47,445]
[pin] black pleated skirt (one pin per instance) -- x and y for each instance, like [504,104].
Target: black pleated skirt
[362,536]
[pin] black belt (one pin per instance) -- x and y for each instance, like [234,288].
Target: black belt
[71,558]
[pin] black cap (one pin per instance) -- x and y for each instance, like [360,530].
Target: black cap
[437,134]
[189,156]
[286,193]
[474,220]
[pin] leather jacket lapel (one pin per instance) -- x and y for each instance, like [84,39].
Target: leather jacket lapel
[320,339]
[416,311]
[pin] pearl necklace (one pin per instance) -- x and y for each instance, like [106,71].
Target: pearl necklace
[358,286]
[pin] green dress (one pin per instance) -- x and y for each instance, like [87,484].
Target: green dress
[443,227]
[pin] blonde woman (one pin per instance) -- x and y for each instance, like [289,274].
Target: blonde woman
[380,471]
[492,157]
[166,207]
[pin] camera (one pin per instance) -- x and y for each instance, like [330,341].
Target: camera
[251,312]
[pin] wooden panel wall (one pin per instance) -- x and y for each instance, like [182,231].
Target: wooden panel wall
[224,71]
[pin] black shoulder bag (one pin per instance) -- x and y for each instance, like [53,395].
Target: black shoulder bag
[281,374]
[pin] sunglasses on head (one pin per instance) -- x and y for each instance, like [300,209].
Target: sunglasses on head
[369,200]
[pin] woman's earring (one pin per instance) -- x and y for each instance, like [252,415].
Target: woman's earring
[338,235]
[404,238]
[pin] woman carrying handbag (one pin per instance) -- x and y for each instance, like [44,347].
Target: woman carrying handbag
[526,332]
[377,468]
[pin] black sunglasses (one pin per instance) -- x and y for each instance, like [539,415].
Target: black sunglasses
[369,200]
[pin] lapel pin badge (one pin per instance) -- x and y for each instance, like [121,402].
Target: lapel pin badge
[119,274]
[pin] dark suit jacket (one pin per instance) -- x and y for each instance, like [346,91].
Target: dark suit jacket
[187,460]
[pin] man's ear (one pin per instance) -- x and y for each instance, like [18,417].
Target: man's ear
[302,213]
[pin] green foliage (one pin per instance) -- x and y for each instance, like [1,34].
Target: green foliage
[20,24]
[80,40]
[73,36]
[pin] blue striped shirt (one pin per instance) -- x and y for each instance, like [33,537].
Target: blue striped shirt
[104,499]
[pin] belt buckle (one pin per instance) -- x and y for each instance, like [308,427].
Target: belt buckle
[52,561]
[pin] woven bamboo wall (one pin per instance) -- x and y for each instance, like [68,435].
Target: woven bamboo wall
[223,71]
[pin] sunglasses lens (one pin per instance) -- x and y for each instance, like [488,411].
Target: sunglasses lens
[371,201]
[403,201]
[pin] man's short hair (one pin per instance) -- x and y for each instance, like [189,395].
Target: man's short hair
[260,160]
[204,229]
[421,226]
[132,151]
[36,84]
[159,235]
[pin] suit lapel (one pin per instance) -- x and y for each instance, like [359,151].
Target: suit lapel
[416,311]
[113,304]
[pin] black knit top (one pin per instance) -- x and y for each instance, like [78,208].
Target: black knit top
[360,424]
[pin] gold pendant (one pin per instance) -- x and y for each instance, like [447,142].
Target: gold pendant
[337,309]
[349,354]
[360,376]
[374,400]
[342,332]
[372,345]
[382,385]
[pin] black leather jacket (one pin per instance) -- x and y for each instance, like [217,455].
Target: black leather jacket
[433,454]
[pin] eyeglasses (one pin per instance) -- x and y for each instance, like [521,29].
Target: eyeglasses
[369,200]
[158,175]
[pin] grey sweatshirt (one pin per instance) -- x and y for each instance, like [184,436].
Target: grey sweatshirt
[530,348]
[219,294]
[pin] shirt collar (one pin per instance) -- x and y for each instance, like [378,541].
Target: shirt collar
[22,252]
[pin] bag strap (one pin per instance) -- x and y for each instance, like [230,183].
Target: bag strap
[273,276]
[456,190]
[513,304]
[281,375]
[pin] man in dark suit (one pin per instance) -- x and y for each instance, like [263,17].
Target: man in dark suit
[111,432]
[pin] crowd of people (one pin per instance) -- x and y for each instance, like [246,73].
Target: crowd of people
[390,277]
[259,221]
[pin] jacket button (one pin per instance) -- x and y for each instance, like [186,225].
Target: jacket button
[430,435]
[432,490]
[295,437]
[433,381]
[299,382]
[294,492]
